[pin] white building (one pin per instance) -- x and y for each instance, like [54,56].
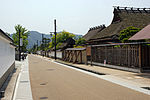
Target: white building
[7,56]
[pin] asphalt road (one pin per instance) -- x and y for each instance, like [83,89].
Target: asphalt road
[50,81]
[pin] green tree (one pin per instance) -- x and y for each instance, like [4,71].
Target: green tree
[60,38]
[80,41]
[34,49]
[125,34]
[44,46]
[23,34]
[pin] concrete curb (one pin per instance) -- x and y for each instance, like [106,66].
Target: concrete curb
[116,67]
[112,79]
[23,87]
[108,77]
[95,72]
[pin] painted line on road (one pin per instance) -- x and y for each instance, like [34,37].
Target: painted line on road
[110,78]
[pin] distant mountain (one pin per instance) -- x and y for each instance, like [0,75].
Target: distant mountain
[34,36]
[77,36]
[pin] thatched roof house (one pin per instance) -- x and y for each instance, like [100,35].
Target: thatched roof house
[68,44]
[123,18]
[93,31]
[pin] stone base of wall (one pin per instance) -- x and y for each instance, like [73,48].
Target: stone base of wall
[116,67]
[5,76]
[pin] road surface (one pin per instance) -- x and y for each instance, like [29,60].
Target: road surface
[51,81]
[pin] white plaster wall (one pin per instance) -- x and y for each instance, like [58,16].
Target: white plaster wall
[58,54]
[7,55]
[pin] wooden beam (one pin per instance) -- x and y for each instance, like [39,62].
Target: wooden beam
[91,56]
[81,56]
[140,57]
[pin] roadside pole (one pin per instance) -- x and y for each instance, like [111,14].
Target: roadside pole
[19,47]
[55,37]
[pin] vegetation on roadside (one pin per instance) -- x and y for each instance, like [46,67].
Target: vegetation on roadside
[23,35]
[60,39]
[80,41]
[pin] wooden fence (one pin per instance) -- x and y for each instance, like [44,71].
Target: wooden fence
[125,55]
[75,55]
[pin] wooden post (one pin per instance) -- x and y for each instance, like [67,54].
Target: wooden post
[72,55]
[140,57]
[78,56]
[69,55]
[63,55]
[129,55]
[86,62]
[75,56]
[91,56]
[81,56]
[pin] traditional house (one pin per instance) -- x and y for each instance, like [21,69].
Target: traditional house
[123,18]
[7,56]
[93,31]
[68,44]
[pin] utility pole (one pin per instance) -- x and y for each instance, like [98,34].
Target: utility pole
[42,38]
[37,44]
[19,47]
[55,37]
[42,44]
[45,46]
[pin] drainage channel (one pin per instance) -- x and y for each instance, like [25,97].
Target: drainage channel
[43,98]
[44,83]
[24,81]
[147,88]
[95,72]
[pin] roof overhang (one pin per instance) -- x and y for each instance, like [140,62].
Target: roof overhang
[76,49]
[4,35]
[143,34]
[13,45]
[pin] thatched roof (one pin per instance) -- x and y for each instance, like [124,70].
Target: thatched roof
[63,45]
[93,31]
[69,43]
[123,18]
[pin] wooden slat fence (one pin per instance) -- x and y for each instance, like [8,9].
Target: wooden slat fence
[132,56]
[74,55]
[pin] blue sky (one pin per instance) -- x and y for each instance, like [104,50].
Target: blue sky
[75,16]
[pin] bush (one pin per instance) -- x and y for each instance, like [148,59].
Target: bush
[125,34]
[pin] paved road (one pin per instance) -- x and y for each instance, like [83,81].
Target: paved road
[50,81]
